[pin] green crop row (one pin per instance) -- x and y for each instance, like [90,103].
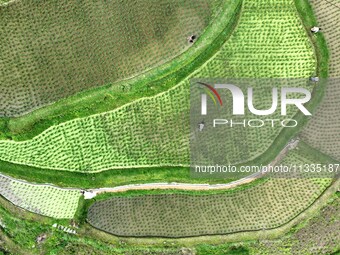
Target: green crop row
[264,206]
[41,199]
[322,131]
[155,131]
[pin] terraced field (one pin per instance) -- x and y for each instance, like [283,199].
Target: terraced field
[328,15]
[267,205]
[144,133]
[41,199]
[55,49]
[322,132]
[270,41]
[261,207]
[265,45]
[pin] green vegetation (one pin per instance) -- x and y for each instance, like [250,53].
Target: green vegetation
[326,12]
[102,142]
[41,199]
[324,125]
[224,249]
[107,98]
[22,228]
[108,178]
[19,231]
[317,235]
[269,41]
[69,47]
[263,206]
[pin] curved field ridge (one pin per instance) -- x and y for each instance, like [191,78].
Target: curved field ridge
[322,132]
[50,50]
[41,199]
[328,15]
[264,206]
[270,42]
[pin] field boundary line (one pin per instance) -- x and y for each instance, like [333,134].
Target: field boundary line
[173,185]
[183,57]
[246,235]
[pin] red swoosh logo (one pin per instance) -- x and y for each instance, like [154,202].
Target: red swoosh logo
[213,90]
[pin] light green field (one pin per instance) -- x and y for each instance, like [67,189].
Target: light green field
[41,199]
[126,138]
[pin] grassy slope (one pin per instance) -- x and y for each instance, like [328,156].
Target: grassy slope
[109,178]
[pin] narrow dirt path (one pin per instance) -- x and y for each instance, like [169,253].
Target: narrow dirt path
[187,186]
[90,193]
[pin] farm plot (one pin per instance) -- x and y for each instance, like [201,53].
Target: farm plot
[41,199]
[318,235]
[264,206]
[321,235]
[155,131]
[54,49]
[269,42]
[260,207]
[149,132]
[322,131]
[328,15]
